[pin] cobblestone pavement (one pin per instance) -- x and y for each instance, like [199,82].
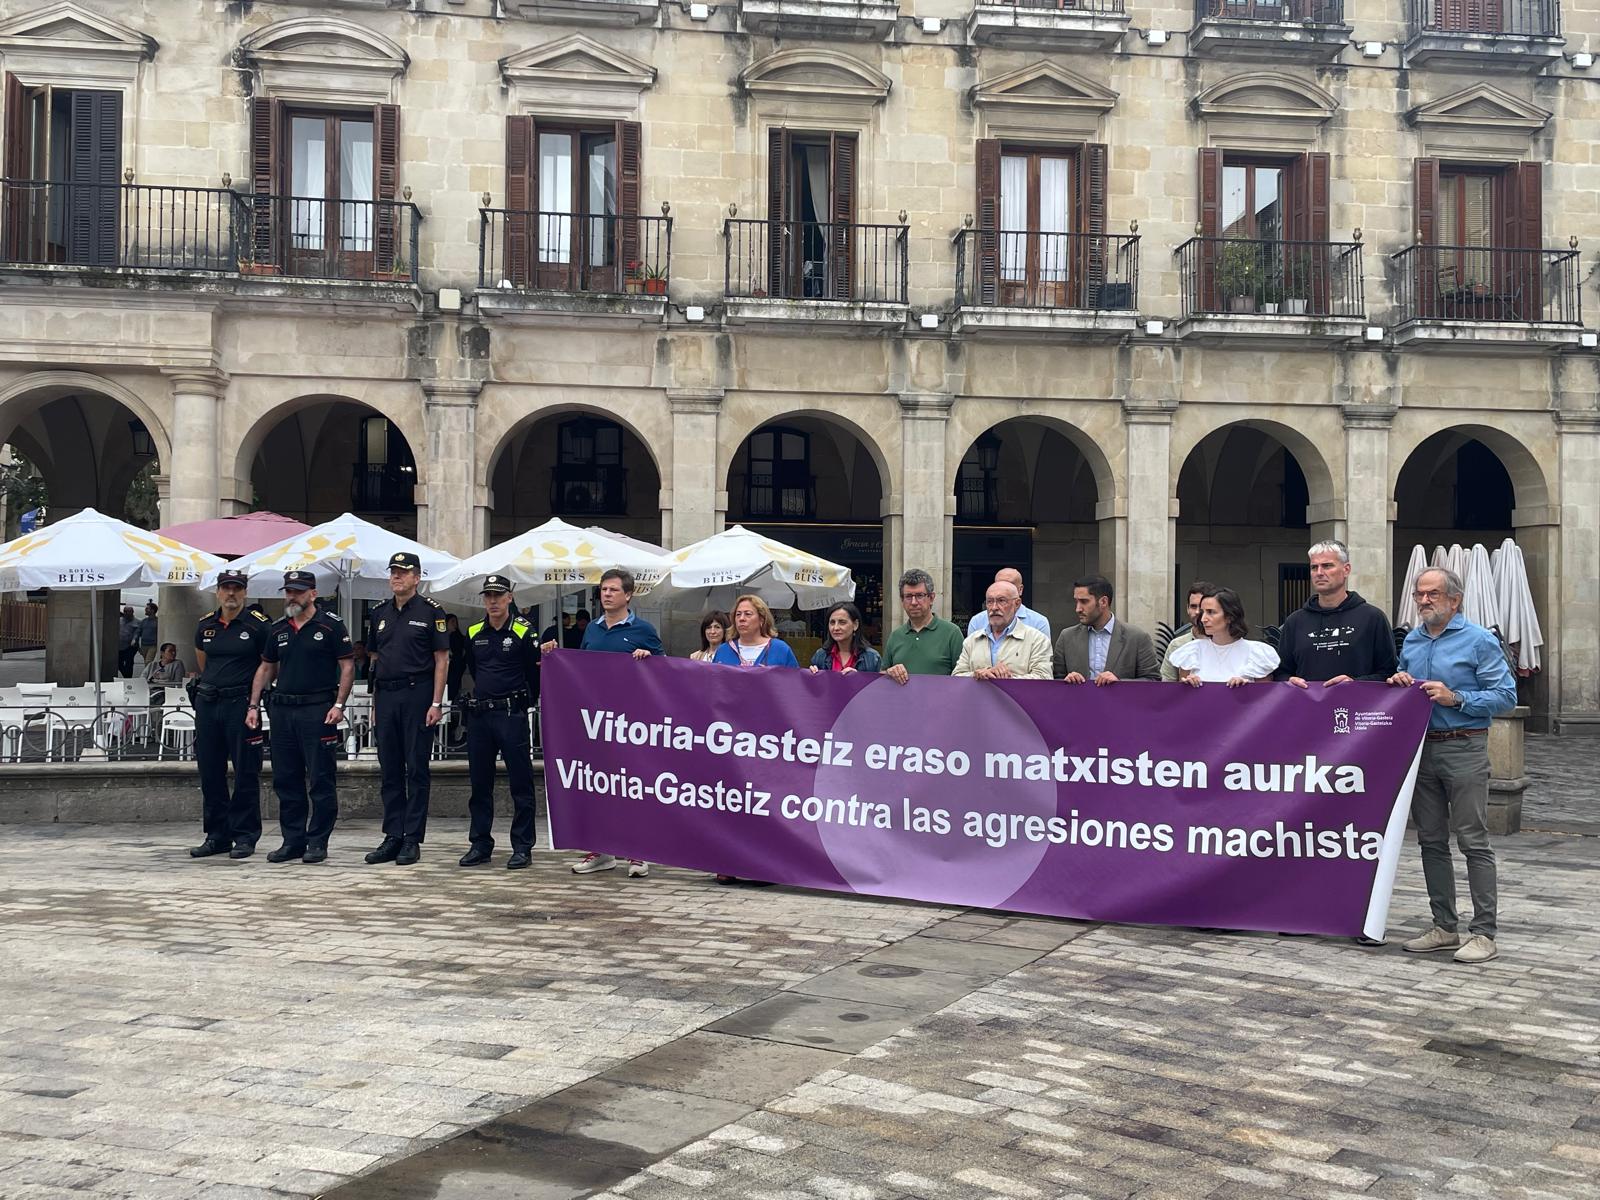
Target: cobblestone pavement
[211,1029]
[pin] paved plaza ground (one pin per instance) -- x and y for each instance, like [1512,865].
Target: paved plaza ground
[171,1028]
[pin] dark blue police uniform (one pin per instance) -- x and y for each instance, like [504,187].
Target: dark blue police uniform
[303,745]
[505,670]
[233,651]
[404,639]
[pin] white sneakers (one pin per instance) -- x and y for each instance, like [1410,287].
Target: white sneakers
[591,864]
[1478,948]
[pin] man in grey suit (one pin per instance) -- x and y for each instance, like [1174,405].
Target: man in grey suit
[1101,649]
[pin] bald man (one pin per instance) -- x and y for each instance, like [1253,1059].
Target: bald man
[980,619]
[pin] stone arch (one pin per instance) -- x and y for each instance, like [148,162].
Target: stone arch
[968,425]
[1264,92]
[270,418]
[733,437]
[312,35]
[1528,477]
[815,73]
[1320,478]
[25,396]
[526,420]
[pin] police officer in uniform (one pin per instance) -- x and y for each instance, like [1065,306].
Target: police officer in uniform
[310,655]
[408,641]
[228,645]
[503,656]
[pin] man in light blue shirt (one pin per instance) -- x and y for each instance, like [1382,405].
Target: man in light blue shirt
[980,620]
[1462,668]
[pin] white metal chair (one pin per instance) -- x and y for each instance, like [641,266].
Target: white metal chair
[177,730]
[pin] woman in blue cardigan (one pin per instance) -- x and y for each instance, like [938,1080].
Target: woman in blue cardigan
[757,643]
[847,651]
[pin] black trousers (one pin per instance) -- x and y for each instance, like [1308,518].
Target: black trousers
[303,773]
[502,734]
[125,657]
[405,742]
[221,738]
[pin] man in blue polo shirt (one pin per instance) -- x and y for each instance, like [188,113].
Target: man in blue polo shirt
[619,632]
[1463,669]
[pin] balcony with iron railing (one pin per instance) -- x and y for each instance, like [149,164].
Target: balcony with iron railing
[1487,299]
[1048,24]
[835,20]
[536,262]
[156,229]
[815,271]
[1310,31]
[1518,36]
[1271,291]
[1074,286]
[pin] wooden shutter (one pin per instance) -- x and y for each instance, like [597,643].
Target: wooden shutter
[93,177]
[1210,227]
[1522,230]
[842,213]
[1425,208]
[1317,175]
[520,193]
[18,160]
[391,232]
[266,179]
[778,198]
[986,265]
[1092,221]
[630,152]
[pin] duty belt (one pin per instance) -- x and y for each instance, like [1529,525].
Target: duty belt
[405,681]
[515,702]
[211,693]
[290,700]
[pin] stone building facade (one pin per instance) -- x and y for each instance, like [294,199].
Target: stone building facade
[1159,288]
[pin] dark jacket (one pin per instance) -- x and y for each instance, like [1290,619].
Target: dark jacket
[868,662]
[1353,639]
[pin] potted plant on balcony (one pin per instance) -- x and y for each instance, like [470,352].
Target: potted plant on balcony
[1297,278]
[1239,276]
[655,281]
[248,265]
[1269,292]
[633,276]
[398,271]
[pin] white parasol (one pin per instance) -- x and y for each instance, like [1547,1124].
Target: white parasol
[1480,604]
[551,561]
[725,565]
[92,552]
[346,552]
[1418,563]
[1519,622]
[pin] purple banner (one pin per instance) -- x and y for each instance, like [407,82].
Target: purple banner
[1262,807]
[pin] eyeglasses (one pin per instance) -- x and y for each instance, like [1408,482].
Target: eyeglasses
[915,597]
[998,603]
[1432,594]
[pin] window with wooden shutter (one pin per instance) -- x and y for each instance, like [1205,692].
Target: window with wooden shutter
[842,196]
[391,248]
[1092,167]
[987,255]
[94,155]
[1425,215]
[520,190]
[25,207]
[778,211]
[630,154]
[1210,192]
[267,218]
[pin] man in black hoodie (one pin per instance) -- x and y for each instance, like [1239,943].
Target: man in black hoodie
[1337,637]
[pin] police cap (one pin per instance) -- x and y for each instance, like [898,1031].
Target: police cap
[404,560]
[298,581]
[495,583]
[237,578]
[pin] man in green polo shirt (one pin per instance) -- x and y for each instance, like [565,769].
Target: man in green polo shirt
[925,644]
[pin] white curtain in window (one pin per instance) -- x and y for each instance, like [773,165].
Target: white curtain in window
[308,166]
[355,185]
[1055,218]
[555,198]
[1013,216]
[602,200]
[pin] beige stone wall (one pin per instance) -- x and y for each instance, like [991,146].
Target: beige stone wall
[915,400]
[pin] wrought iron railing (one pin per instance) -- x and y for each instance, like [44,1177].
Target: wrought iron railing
[1524,18]
[1477,283]
[1028,269]
[1304,12]
[1095,7]
[589,490]
[133,226]
[567,252]
[1239,275]
[313,238]
[815,260]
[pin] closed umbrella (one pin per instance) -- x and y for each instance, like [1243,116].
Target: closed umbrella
[550,561]
[715,570]
[346,552]
[1520,623]
[1416,565]
[1480,604]
[91,552]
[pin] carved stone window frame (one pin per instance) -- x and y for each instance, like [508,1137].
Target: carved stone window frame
[1009,111]
[322,75]
[1445,131]
[1270,111]
[611,87]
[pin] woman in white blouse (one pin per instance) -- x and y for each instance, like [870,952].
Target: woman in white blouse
[1219,652]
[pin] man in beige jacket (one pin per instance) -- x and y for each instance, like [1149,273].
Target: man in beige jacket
[1006,648]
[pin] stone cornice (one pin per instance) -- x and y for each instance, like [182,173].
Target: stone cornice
[1571,421]
[452,391]
[189,381]
[1148,412]
[707,401]
[1369,416]
[926,406]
